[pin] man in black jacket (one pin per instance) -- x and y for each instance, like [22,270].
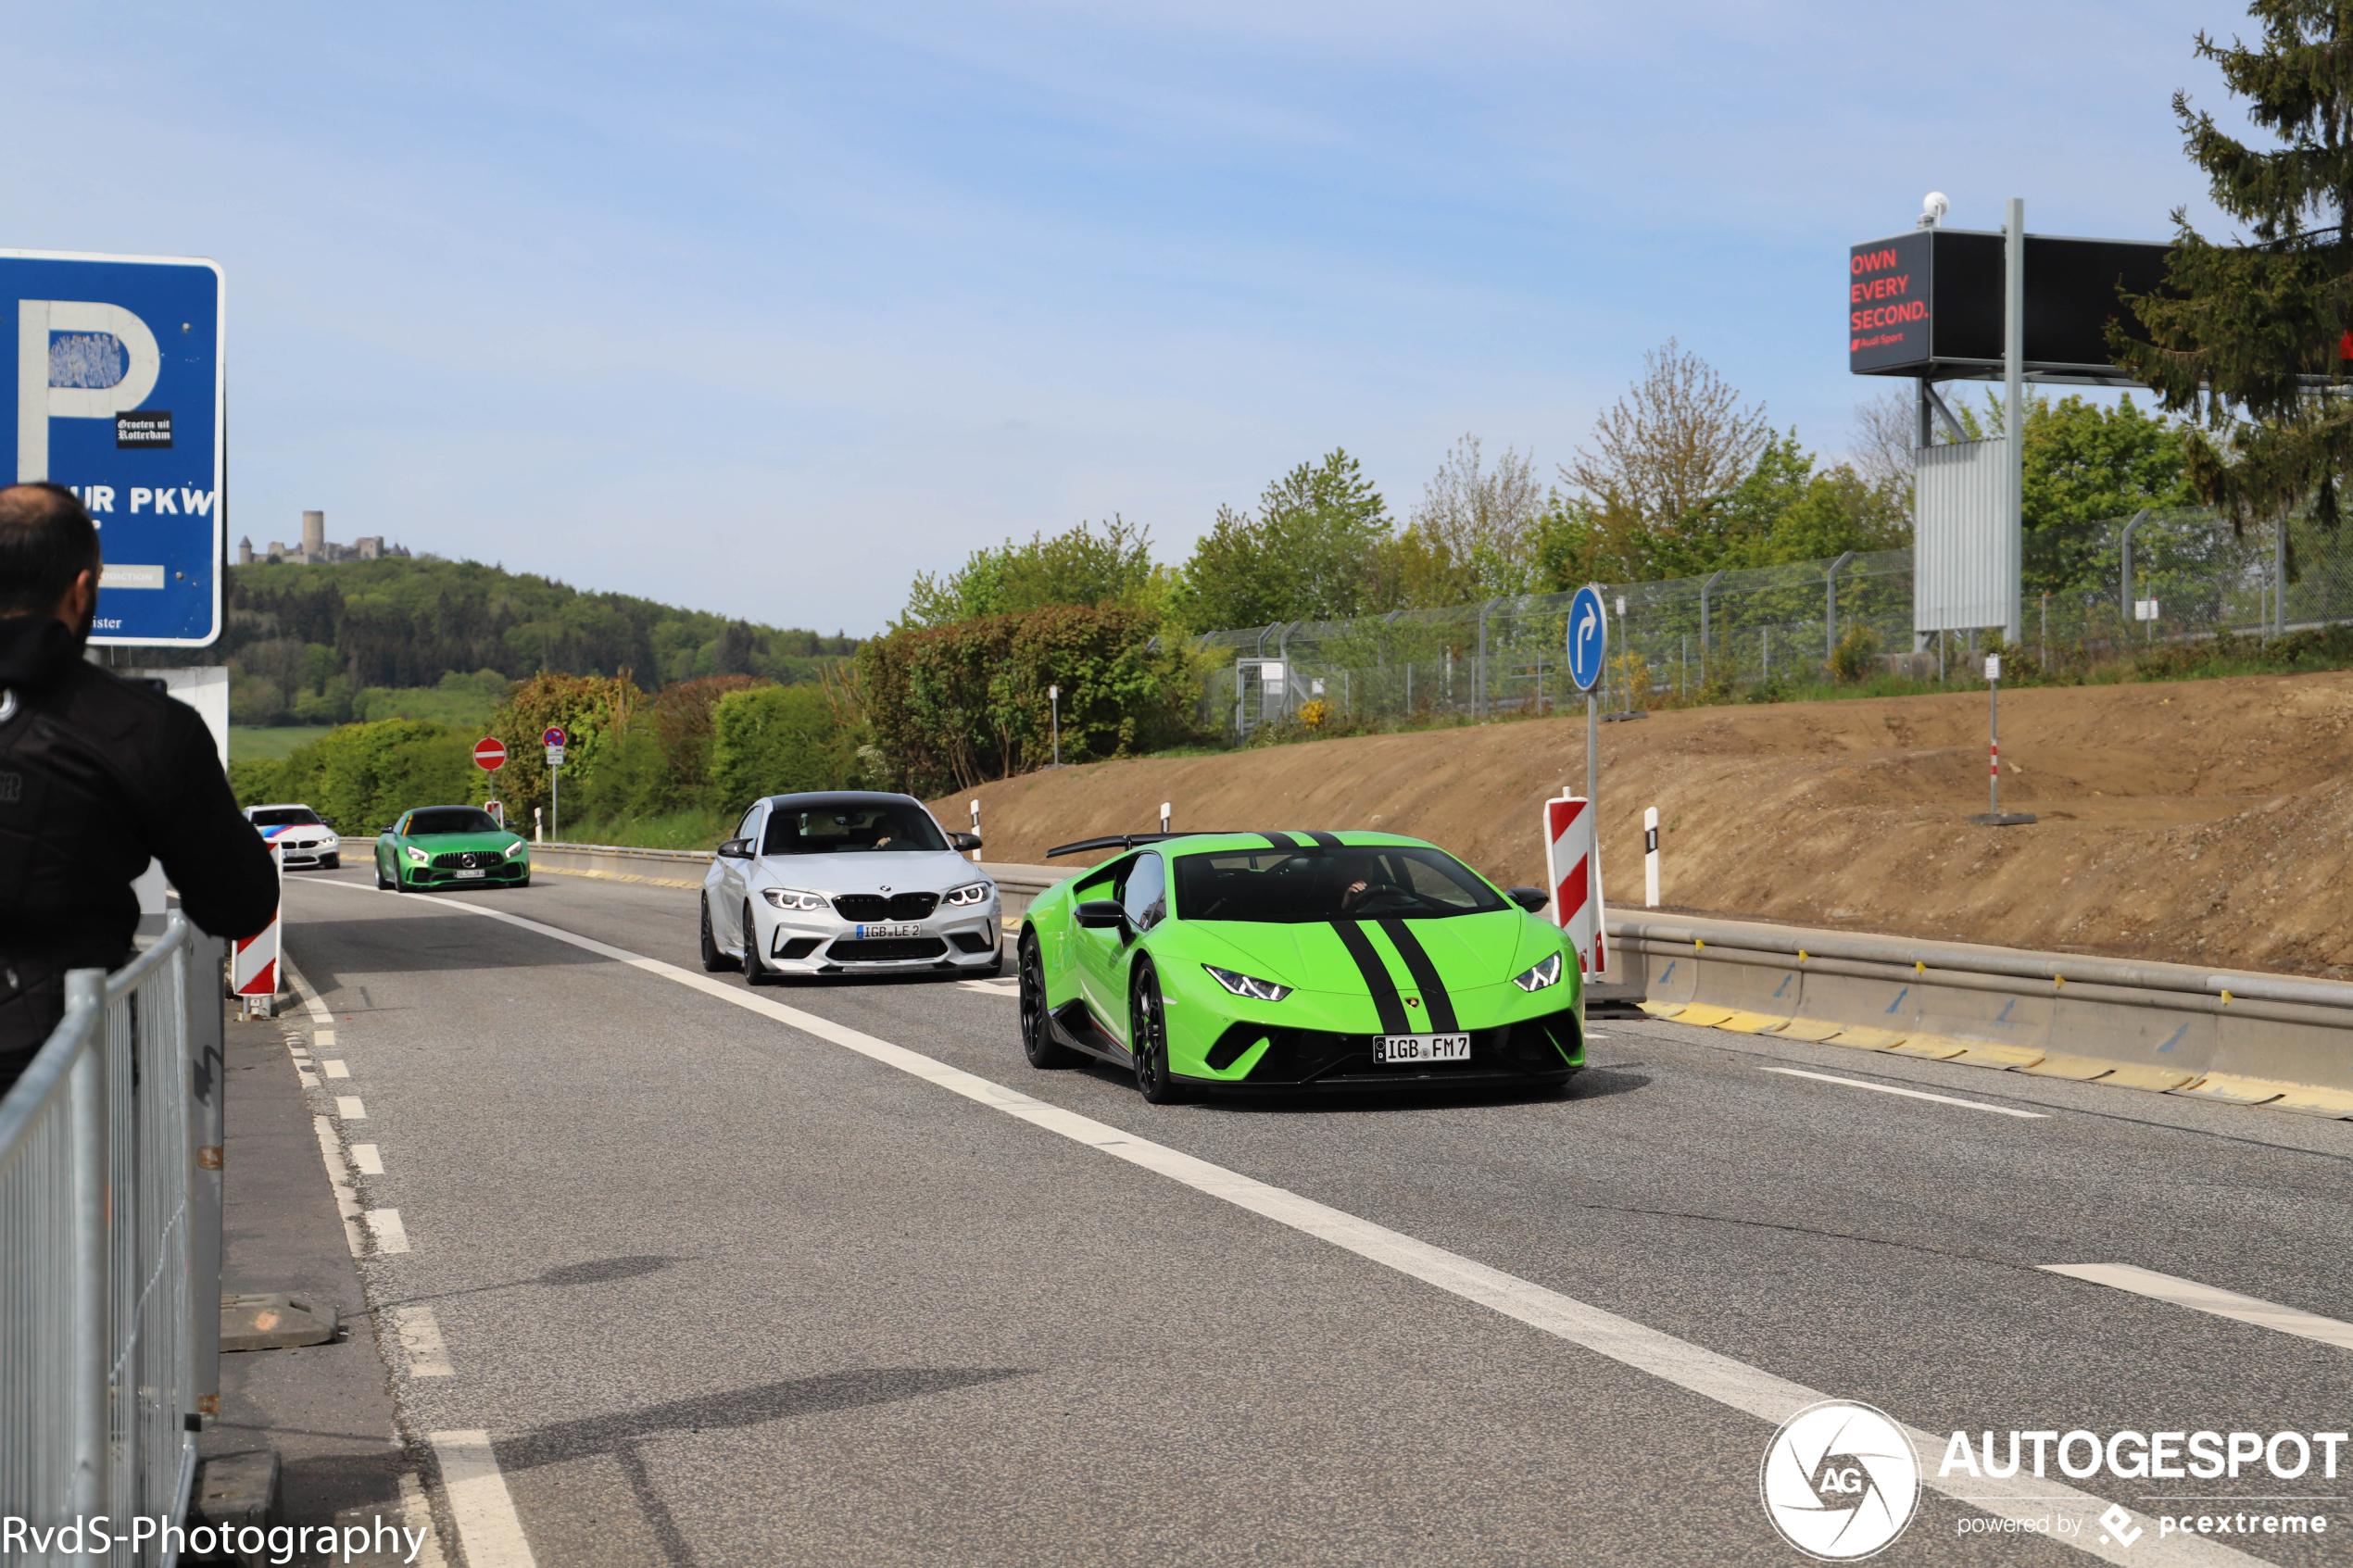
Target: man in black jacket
[96,776]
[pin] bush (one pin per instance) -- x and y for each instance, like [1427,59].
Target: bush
[1855,655]
[361,776]
[958,705]
[772,740]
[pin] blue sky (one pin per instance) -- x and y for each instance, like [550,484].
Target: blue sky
[764,307]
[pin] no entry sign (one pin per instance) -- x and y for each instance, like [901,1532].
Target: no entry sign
[490,754]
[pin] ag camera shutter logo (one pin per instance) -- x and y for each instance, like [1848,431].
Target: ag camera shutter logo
[1839,1481]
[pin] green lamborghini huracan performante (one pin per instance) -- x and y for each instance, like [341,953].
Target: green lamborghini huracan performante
[1255,961]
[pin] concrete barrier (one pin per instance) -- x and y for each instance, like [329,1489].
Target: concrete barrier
[2236,1036]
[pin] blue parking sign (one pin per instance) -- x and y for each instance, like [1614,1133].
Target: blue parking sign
[117,396]
[1587,637]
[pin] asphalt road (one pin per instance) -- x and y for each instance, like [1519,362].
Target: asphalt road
[721,1290]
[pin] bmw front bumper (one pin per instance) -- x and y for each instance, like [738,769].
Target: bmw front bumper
[820,942]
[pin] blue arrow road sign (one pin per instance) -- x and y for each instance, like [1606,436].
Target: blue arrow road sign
[117,395]
[1587,637]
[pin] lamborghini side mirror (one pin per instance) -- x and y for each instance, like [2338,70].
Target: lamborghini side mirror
[1102,915]
[1532,899]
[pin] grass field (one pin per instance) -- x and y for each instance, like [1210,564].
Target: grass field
[273,744]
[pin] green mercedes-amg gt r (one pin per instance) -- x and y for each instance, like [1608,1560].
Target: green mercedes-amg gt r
[450,846]
[1244,961]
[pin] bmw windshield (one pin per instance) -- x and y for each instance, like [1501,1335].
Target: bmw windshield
[1297,886]
[851,829]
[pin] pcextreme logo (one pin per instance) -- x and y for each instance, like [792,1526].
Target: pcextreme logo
[1839,1481]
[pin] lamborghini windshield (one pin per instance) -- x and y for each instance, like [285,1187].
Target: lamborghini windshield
[1382,881]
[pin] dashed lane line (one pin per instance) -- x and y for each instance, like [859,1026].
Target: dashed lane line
[339,1178]
[391,1235]
[479,1503]
[1910,1094]
[2212,1298]
[1687,1366]
[421,1343]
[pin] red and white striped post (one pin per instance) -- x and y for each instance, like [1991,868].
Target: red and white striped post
[1573,864]
[253,966]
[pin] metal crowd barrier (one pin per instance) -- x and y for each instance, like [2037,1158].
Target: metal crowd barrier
[110,1257]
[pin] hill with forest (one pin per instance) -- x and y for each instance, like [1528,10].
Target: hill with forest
[308,644]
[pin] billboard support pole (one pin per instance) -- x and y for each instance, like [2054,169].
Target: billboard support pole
[2014,418]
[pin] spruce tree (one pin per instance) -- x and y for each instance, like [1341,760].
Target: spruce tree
[2252,338]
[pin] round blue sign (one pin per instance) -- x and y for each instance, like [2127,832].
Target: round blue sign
[1587,637]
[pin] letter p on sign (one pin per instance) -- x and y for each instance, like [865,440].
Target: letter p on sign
[79,381]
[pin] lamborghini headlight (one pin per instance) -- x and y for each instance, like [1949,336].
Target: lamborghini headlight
[793,899]
[1543,974]
[970,893]
[1257,990]
[418,857]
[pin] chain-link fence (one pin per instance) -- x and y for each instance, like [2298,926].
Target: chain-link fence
[2192,574]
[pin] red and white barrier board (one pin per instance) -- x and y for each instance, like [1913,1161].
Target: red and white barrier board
[1573,867]
[253,966]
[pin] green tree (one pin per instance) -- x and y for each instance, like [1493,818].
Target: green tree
[2251,339]
[1307,554]
[1082,566]
[772,740]
[361,776]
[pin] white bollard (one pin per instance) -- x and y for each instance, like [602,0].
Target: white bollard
[538,826]
[1163,816]
[1649,858]
[976,827]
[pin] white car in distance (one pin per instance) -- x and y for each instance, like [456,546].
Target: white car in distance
[302,839]
[847,882]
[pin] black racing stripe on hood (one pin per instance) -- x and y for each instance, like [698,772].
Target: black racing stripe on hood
[1280,840]
[1434,997]
[1324,840]
[1386,1001]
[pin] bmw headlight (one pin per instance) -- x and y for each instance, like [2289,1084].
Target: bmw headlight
[1248,985]
[970,893]
[519,847]
[418,857]
[1543,974]
[793,899]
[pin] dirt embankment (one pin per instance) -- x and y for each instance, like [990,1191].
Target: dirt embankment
[2200,822]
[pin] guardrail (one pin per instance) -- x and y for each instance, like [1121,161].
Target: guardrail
[1016,885]
[111,1254]
[2184,1021]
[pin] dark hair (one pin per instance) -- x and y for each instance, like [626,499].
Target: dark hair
[47,541]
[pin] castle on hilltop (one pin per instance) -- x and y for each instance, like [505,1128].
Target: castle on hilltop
[317,547]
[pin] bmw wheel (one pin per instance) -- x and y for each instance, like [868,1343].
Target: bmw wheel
[714,960]
[756,970]
[330,862]
[1148,1040]
[1037,1030]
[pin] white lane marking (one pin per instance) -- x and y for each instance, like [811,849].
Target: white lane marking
[310,999]
[365,1156]
[349,1108]
[339,1178]
[421,1343]
[391,1236]
[1909,1094]
[416,1513]
[322,1039]
[2212,1298]
[489,1531]
[336,1069]
[1703,1371]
